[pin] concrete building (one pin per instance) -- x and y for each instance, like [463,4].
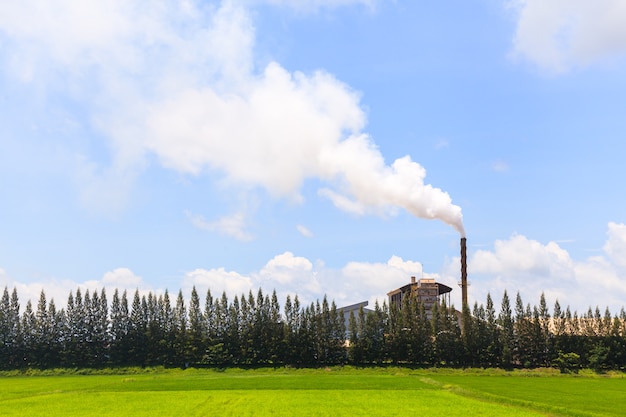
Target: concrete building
[426,290]
[354,308]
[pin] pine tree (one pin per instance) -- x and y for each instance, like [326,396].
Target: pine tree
[395,339]
[494,349]
[289,331]
[470,335]
[137,331]
[217,354]
[547,341]
[521,351]
[99,328]
[120,329]
[232,339]
[375,335]
[155,337]
[28,337]
[42,334]
[197,330]
[505,320]
[293,328]
[56,326]
[14,332]
[76,350]
[276,331]
[5,330]
[180,330]
[209,318]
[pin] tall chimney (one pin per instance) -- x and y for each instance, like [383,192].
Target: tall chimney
[464,271]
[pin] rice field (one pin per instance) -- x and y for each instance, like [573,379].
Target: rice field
[306,392]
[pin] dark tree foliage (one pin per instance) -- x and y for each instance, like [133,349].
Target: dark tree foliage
[251,330]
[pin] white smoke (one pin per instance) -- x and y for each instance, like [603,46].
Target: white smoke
[179,80]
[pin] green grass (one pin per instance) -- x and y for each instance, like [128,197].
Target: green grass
[588,395]
[322,392]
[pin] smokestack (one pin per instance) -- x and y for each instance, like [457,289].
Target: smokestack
[464,271]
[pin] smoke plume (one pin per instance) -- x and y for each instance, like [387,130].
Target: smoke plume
[181,81]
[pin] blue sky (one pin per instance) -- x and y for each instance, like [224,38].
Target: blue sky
[314,147]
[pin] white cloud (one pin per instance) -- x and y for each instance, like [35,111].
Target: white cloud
[58,290]
[372,281]
[311,5]
[615,246]
[515,264]
[218,280]
[500,166]
[289,269]
[122,278]
[233,225]
[558,35]
[177,80]
[531,267]
[304,231]
[290,274]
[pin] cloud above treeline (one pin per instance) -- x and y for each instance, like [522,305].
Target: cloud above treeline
[518,264]
[531,267]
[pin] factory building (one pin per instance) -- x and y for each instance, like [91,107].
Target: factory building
[426,290]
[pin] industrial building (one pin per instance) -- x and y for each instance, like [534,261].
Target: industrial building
[354,309]
[426,290]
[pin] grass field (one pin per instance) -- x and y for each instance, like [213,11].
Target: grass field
[322,392]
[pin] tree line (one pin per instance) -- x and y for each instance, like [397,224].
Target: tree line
[253,330]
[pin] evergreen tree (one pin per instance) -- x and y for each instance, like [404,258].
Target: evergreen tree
[232,340]
[494,349]
[155,333]
[505,321]
[289,329]
[180,330]
[28,337]
[374,336]
[137,331]
[396,338]
[470,335]
[168,336]
[197,330]
[448,340]
[353,337]
[411,348]
[120,328]
[546,340]
[13,338]
[246,331]
[56,321]
[69,356]
[210,325]
[337,334]
[98,327]
[5,330]
[276,335]
[76,349]
[293,330]
[43,343]
[423,337]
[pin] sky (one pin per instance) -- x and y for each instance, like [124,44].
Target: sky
[314,147]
